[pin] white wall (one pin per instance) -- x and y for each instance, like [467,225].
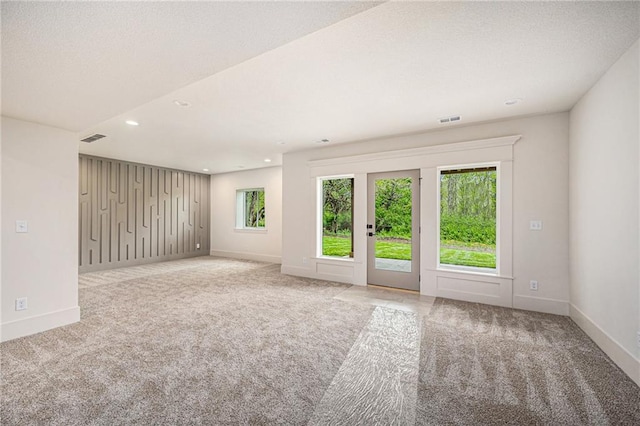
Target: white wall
[540,191]
[40,185]
[604,212]
[226,240]
[0,234]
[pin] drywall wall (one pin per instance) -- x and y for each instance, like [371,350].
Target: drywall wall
[226,239]
[0,237]
[132,214]
[604,212]
[540,192]
[40,186]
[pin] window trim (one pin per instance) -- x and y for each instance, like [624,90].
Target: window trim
[461,268]
[241,213]
[320,215]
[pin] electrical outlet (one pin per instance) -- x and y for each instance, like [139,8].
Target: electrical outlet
[533,285]
[535,225]
[198,245]
[21,304]
[22,226]
[305,260]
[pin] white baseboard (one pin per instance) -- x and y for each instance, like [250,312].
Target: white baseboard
[310,273]
[246,256]
[39,323]
[541,304]
[621,356]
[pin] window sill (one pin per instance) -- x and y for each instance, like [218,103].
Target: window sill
[468,270]
[485,272]
[335,259]
[250,230]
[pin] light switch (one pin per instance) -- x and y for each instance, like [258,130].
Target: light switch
[21,226]
[535,225]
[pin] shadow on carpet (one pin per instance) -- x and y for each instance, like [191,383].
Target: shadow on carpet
[482,365]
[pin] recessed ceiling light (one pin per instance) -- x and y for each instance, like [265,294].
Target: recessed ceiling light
[323,141]
[205,170]
[267,160]
[513,101]
[182,104]
[132,123]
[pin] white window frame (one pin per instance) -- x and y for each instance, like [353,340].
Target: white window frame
[320,215]
[460,268]
[241,211]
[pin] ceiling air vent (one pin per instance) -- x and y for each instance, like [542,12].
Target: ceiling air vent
[92,138]
[451,119]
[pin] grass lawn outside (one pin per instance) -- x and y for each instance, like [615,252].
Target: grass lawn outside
[336,246]
[467,258]
[393,250]
[462,254]
[340,247]
[467,254]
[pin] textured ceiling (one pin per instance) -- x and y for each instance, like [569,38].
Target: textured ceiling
[75,64]
[394,68]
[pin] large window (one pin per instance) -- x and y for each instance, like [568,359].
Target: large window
[250,208]
[468,217]
[337,217]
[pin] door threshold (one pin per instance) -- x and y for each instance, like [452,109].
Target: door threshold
[383,287]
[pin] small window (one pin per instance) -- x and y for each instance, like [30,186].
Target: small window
[337,217]
[468,218]
[250,208]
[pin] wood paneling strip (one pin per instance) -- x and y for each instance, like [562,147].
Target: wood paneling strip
[134,213]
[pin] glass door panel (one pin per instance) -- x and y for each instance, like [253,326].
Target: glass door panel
[393,229]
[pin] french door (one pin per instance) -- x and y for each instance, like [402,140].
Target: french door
[393,229]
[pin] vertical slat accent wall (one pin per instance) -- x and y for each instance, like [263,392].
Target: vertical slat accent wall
[131,214]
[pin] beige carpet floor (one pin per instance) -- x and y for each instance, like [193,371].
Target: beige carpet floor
[220,341]
[482,364]
[224,342]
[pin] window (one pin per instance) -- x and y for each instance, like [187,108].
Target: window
[468,218]
[336,217]
[250,211]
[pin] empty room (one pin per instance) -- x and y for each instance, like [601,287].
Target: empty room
[320,213]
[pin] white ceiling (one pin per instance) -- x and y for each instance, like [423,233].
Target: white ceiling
[393,68]
[75,64]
